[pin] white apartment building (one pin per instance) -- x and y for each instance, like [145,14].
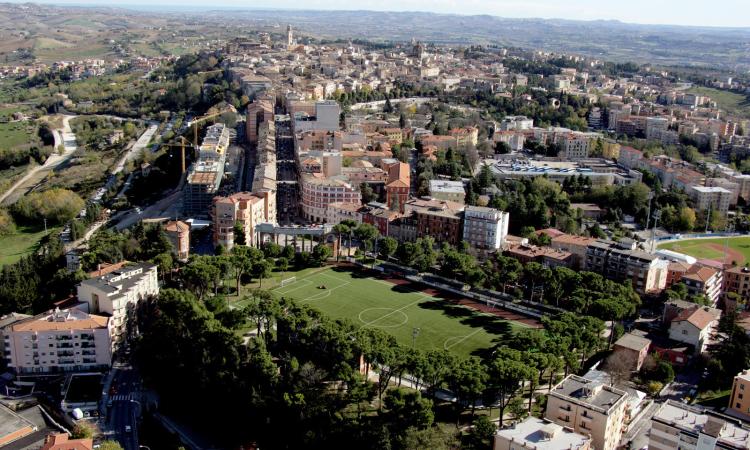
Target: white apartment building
[516,123]
[656,126]
[677,426]
[717,199]
[539,434]
[117,294]
[574,146]
[589,408]
[485,228]
[56,341]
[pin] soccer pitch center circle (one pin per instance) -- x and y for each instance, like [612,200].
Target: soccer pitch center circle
[383,317]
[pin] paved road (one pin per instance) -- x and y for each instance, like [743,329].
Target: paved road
[125,409]
[62,136]
[139,145]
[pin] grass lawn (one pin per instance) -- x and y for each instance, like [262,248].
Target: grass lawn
[398,310]
[731,102]
[24,241]
[713,399]
[738,249]
[13,134]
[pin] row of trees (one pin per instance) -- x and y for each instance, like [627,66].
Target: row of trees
[301,375]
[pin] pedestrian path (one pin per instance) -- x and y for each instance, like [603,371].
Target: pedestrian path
[123,397]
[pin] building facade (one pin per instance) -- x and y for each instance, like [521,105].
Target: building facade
[485,228]
[677,426]
[58,341]
[647,272]
[118,293]
[589,408]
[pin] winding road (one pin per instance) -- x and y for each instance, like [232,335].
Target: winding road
[63,137]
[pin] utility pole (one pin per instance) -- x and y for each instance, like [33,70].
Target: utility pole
[648,214]
[45,225]
[657,215]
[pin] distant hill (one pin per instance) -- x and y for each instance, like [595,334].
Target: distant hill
[609,40]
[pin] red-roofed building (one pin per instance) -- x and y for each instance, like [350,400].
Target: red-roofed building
[695,327]
[61,441]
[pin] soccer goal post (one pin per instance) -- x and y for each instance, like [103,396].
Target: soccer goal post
[288,281]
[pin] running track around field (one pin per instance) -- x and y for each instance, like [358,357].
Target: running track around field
[463,301]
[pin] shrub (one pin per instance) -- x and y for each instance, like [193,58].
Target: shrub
[56,205]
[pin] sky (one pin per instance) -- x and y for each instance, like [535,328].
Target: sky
[728,13]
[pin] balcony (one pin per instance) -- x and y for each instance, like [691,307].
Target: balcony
[65,353]
[66,345]
[63,338]
[88,352]
[66,361]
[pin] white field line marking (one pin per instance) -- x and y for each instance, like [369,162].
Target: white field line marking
[462,338]
[367,324]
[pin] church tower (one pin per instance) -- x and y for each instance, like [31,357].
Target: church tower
[289,36]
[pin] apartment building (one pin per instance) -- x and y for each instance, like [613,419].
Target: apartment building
[452,191]
[517,123]
[465,137]
[703,280]
[178,233]
[574,146]
[677,426]
[737,280]
[589,408]
[577,245]
[203,183]
[244,208]
[318,192]
[739,401]
[259,111]
[57,341]
[539,434]
[715,199]
[440,220]
[117,294]
[215,143]
[647,272]
[485,228]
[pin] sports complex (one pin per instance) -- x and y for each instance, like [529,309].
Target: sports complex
[413,313]
[722,249]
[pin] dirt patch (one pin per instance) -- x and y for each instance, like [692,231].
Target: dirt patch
[732,254]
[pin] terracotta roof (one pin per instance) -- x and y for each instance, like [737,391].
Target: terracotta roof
[60,441]
[698,317]
[105,268]
[702,273]
[73,320]
[176,226]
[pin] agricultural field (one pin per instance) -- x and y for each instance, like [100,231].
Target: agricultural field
[399,307]
[736,249]
[731,102]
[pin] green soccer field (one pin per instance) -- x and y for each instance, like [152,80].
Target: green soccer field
[398,310]
[735,249]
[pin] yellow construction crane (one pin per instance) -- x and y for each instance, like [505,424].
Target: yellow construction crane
[181,144]
[198,120]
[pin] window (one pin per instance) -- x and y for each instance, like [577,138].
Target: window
[684,331]
[739,396]
[737,405]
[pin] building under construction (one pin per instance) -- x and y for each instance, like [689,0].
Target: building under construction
[202,185]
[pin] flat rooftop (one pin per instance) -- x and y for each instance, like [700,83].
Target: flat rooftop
[588,392]
[727,430]
[13,426]
[544,435]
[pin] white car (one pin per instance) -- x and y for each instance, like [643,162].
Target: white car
[128,429]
